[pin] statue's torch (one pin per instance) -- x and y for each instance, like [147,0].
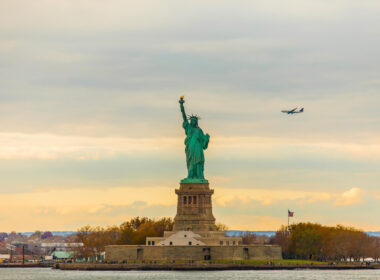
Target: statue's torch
[181,99]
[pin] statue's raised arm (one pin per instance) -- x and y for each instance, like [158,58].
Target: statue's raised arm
[181,101]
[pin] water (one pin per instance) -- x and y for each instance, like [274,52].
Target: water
[51,274]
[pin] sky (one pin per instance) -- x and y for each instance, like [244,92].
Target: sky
[90,126]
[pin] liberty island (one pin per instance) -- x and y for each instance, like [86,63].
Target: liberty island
[194,236]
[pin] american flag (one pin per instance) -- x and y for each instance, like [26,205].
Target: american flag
[290,213]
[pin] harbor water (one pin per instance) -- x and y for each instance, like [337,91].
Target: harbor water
[52,274]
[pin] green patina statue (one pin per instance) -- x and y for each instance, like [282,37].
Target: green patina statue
[196,141]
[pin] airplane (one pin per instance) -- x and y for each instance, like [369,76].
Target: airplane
[293,111]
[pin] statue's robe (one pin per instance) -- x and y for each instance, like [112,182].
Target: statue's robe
[196,141]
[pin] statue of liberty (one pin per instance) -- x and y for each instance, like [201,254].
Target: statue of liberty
[196,141]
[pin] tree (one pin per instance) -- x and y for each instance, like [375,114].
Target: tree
[46,234]
[134,223]
[13,236]
[3,235]
[282,238]
[317,242]
[95,239]
[249,238]
[135,231]
[37,234]
[132,232]
[221,227]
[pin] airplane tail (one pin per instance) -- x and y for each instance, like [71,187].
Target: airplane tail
[301,110]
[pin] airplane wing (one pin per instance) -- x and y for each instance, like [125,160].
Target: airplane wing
[293,111]
[300,111]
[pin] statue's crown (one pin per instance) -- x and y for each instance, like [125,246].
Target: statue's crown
[194,117]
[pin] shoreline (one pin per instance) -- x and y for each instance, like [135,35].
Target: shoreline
[195,267]
[187,267]
[25,265]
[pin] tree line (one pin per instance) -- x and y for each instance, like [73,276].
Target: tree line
[132,232]
[325,243]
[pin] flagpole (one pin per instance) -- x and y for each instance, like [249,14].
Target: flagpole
[288,219]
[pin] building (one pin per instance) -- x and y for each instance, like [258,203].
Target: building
[4,258]
[62,255]
[194,236]
[50,247]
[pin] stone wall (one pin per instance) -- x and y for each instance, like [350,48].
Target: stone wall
[194,208]
[121,253]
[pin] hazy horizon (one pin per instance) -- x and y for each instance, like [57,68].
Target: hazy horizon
[90,127]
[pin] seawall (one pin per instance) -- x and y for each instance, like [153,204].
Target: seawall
[204,266]
[123,253]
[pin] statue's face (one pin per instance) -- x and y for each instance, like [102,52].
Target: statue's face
[193,121]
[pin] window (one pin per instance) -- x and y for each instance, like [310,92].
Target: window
[227,243]
[152,242]
[189,199]
[189,243]
[194,199]
[239,242]
[234,243]
[171,243]
[221,242]
[148,242]
[184,200]
[185,235]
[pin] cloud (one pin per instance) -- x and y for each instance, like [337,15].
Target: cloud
[50,146]
[251,222]
[54,146]
[30,218]
[352,196]
[94,197]
[254,196]
[78,207]
[246,209]
[95,209]
[88,103]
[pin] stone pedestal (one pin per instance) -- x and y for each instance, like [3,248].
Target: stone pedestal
[194,208]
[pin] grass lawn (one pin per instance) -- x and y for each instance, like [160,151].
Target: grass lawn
[275,262]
